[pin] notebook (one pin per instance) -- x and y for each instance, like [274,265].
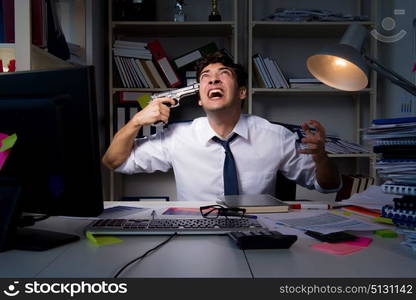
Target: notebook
[262,203]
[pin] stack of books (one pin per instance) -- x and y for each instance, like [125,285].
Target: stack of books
[352,184]
[395,141]
[336,145]
[135,66]
[268,73]
[302,83]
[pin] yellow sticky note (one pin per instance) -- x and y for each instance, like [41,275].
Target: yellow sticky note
[383,220]
[8,142]
[386,233]
[102,240]
[144,100]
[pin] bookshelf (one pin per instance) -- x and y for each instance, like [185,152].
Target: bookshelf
[177,38]
[342,113]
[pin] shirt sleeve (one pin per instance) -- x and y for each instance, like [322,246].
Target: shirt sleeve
[149,154]
[298,167]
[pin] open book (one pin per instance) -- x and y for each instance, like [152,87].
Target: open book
[262,203]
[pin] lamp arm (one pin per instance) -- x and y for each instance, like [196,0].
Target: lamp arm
[391,75]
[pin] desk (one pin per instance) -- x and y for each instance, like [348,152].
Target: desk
[201,256]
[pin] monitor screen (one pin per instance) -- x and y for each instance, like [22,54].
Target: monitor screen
[55,162]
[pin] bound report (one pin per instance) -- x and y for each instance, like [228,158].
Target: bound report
[262,203]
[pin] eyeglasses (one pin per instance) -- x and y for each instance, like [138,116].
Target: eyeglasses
[214,211]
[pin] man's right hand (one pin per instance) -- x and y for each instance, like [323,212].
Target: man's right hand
[157,110]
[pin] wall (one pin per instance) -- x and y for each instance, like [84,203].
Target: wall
[399,56]
[84,23]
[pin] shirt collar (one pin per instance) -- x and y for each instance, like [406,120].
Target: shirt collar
[206,133]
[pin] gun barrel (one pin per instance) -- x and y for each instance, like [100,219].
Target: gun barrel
[178,93]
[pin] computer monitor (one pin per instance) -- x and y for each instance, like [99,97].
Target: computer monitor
[54,167]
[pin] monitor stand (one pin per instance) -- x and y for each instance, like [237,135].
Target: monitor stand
[13,236]
[39,240]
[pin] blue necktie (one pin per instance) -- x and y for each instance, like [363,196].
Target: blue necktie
[230,171]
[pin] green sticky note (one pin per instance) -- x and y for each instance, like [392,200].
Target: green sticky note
[383,220]
[386,233]
[8,142]
[102,240]
[144,100]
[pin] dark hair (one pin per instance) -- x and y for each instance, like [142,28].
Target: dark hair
[222,58]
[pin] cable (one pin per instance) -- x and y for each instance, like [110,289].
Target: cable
[248,264]
[144,255]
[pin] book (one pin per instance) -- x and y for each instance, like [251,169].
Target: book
[162,62]
[262,71]
[281,75]
[350,186]
[273,73]
[136,53]
[262,203]
[304,80]
[129,44]
[266,72]
[120,71]
[192,56]
[394,121]
[152,69]
[259,75]
[131,97]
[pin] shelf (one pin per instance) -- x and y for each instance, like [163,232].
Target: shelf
[353,155]
[174,29]
[302,29]
[307,91]
[141,90]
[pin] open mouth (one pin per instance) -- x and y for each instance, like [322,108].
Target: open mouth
[215,94]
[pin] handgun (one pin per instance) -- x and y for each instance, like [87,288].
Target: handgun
[176,95]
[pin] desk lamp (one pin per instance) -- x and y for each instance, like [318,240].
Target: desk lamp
[345,67]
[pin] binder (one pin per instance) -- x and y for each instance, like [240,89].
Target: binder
[163,64]
[398,189]
[400,217]
[194,55]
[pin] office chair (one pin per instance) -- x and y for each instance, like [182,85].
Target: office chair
[285,188]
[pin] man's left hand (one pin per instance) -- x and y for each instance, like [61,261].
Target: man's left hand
[315,141]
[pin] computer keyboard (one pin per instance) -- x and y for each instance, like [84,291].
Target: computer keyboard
[170,226]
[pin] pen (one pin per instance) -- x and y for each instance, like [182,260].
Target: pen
[309,206]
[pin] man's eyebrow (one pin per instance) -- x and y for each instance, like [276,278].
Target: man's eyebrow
[222,68]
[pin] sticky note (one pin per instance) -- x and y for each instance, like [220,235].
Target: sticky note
[386,233]
[144,100]
[336,248]
[383,220]
[7,142]
[102,240]
[361,241]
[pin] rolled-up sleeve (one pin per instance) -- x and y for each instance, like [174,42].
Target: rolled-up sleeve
[149,154]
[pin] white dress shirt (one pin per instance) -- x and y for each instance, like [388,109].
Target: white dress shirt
[259,150]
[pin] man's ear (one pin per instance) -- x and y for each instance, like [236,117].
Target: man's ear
[199,102]
[243,92]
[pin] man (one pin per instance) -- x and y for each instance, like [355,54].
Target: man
[254,148]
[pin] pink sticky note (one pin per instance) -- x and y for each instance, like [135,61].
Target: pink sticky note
[5,154]
[361,241]
[336,248]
